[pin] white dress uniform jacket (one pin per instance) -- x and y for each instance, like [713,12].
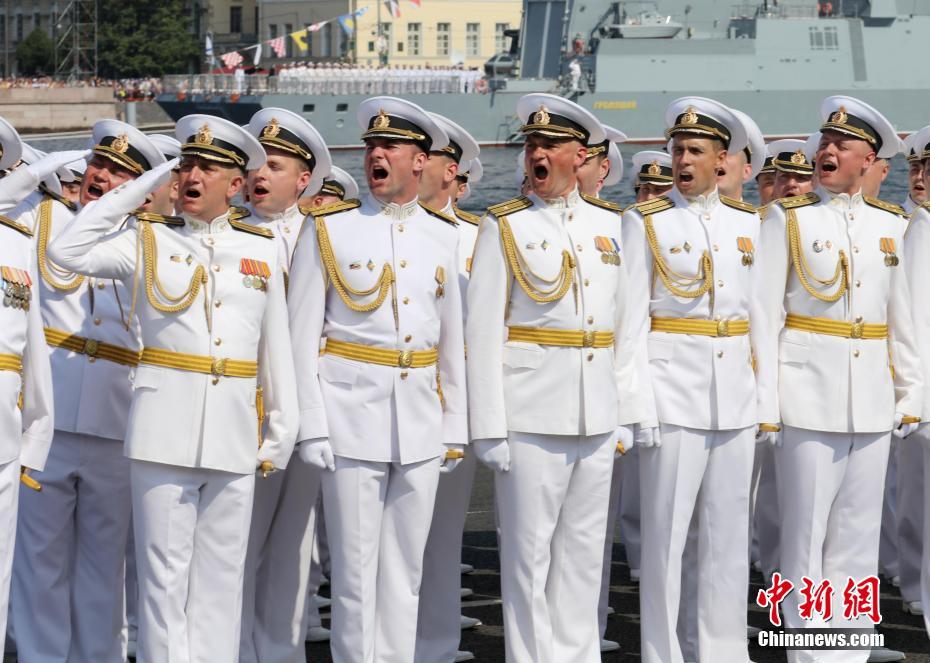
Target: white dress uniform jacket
[700,382]
[426,313]
[797,369]
[917,269]
[92,396]
[286,228]
[519,386]
[27,432]
[179,417]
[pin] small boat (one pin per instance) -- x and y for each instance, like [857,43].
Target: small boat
[648,25]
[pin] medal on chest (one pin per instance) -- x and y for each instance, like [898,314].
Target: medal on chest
[609,248]
[17,288]
[256,273]
[887,246]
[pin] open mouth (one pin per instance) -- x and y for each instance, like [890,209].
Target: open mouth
[685,178]
[259,190]
[721,172]
[95,191]
[828,167]
[378,173]
[919,187]
[148,200]
[192,194]
[540,172]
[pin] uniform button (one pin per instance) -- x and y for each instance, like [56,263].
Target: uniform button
[403,263]
[91,360]
[858,318]
[719,284]
[717,317]
[218,341]
[403,375]
[858,283]
[287,230]
[210,241]
[855,353]
[716,248]
[578,247]
[218,303]
[855,249]
[590,320]
[719,354]
[408,338]
[216,268]
[406,300]
[216,380]
[706,216]
[101,285]
[571,215]
[587,282]
[96,321]
[851,216]
[590,356]
[400,227]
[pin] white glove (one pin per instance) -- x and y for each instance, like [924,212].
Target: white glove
[493,452]
[648,437]
[53,161]
[449,464]
[625,439]
[318,452]
[772,437]
[128,196]
[903,430]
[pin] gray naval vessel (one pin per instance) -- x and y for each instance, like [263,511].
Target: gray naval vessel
[773,59]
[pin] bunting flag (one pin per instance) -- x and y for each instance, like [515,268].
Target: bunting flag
[347,21]
[277,45]
[258,55]
[317,26]
[300,38]
[232,59]
[416,3]
[393,7]
[208,46]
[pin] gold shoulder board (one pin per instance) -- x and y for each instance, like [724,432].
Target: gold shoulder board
[654,206]
[152,217]
[249,228]
[18,227]
[738,204]
[467,217]
[794,202]
[442,216]
[882,205]
[510,206]
[238,213]
[334,208]
[54,196]
[603,204]
[764,210]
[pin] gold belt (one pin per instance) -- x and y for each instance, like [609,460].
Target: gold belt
[698,327]
[215,366]
[565,338]
[381,356]
[842,328]
[90,347]
[11,363]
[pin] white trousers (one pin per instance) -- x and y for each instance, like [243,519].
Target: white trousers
[377,520]
[831,487]
[552,506]
[630,509]
[439,620]
[764,518]
[191,529]
[319,561]
[613,509]
[68,574]
[708,472]
[909,512]
[9,496]
[888,560]
[277,567]
[925,560]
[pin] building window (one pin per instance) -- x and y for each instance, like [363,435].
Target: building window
[824,39]
[472,39]
[387,29]
[235,19]
[443,36]
[326,35]
[19,27]
[413,39]
[500,40]
[273,31]
[288,41]
[36,20]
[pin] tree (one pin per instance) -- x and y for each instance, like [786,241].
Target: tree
[143,38]
[35,54]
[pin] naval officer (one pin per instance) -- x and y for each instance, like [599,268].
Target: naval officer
[336,186]
[654,174]
[439,620]
[690,258]
[382,405]
[68,579]
[213,322]
[916,189]
[551,387]
[274,618]
[765,180]
[835,301]
[27,414]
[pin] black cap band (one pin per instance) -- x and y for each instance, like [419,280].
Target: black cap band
[333,188]
[453,150]
[654,173]
[598,149]
[853,126]
[118,150]
[692,122]
[392,127]
[557,126]
[793,162]
[274,135]
[203,144]
[767,166]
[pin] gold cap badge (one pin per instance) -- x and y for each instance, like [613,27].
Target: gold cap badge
[120,143]
[840,116]
[541,116]
[204,136]
[272,129]
[798,158]
[690,116]
[654,168]
[382,121]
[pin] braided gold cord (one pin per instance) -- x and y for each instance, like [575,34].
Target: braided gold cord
[383,285]
[672,279]
[45,266]
[802,268]
[563,282]
[152,283]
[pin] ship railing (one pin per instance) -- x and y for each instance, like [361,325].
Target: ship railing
[771,10]
[219,84]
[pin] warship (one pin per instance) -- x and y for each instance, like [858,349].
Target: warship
[774,60]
